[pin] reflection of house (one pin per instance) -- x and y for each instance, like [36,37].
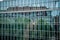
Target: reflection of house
[25,8]
[32,13]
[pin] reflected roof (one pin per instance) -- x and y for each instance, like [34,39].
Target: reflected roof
[25,8]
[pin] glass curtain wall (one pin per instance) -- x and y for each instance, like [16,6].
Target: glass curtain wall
[27,26]
[40,25]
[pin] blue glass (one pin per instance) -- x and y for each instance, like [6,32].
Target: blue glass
[32,3]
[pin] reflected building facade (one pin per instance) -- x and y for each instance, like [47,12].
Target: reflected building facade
[29,19]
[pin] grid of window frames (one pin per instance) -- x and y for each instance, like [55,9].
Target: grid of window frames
[27,26]
[43,25]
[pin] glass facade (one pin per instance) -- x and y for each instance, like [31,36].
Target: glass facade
[22,23]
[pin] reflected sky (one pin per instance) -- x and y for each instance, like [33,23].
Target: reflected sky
[55,13]
[32,3]
[1,0]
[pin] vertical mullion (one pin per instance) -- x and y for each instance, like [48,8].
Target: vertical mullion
[28,27]
[58,28]
[50,33]
[41,23]
[37,27]
[8,25]
[22,25]
[33,26]
[16,26]
[3,27]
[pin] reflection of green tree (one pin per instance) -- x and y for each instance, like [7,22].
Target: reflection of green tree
[22,20]
[12,23]
[7,20]
[43,25]
[44,29]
